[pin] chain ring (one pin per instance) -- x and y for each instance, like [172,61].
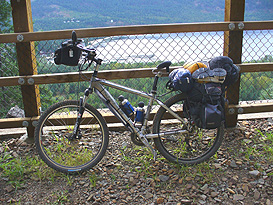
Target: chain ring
[135,139]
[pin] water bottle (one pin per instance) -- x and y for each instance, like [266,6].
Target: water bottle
[126,107]
[140,113]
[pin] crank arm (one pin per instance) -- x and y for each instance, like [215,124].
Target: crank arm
[146,143]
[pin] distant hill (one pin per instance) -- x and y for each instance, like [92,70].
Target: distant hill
[64,14]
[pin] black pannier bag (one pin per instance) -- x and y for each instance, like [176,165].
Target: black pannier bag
[68,54]
[205,105]
[205,89]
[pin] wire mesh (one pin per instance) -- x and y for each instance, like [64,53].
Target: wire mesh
[10,96]
[139,51]
[257,48]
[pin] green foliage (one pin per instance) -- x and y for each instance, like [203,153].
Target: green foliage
[56,15]
[61,197]
[13,168]
[9,96]
[5,17]
[257,85]
[93,178]
[260,146]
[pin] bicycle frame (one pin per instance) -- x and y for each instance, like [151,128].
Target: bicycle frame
[97,86]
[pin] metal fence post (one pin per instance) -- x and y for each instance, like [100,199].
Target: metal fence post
[234,11]
[22,22]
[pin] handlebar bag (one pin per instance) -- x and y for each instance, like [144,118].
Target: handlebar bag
[68,54]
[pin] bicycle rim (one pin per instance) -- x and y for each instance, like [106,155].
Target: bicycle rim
[192,147]
[56,126]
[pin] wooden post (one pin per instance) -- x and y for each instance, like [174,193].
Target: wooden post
[234,11]
[22,22]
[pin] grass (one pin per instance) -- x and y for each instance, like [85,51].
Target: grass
[93,178]
[61,197]
[260,145]
[19,169]
[142,159]
[13,168]
[267,145]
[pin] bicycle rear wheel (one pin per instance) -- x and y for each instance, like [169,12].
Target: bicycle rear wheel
[193,146]
[59,152]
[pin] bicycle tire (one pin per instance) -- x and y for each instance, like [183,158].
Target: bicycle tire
[194,147]
[55,126]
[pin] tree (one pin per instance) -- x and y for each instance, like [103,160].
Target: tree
[5,17]
[9,96]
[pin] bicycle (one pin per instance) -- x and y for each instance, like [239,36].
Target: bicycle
[72,136]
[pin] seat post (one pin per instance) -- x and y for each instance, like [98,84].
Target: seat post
[154,89]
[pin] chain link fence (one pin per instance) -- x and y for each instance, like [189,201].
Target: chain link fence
[139,51]
[257,48]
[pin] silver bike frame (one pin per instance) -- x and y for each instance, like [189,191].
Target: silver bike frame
[97,85]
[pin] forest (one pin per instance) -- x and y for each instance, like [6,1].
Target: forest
[60,14]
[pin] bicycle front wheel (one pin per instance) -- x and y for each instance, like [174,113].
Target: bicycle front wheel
[189,144]
[53,137]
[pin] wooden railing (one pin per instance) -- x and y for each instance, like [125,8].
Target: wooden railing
[27,38]
[135,30]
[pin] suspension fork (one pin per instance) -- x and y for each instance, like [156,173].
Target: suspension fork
[76,131]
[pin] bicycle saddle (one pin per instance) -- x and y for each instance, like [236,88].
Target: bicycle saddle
[163,65]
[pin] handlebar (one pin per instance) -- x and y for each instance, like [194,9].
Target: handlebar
[91,53]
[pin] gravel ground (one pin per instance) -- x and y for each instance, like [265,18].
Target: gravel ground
[240,173]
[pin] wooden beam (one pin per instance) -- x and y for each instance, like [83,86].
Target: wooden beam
[22,22]
[116,31]
[74,76]
[110,118]
[256,67]
[112,74]
[14,122]
[233,39]
[130,30]
[134,30]
[252,108]
[258,25]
